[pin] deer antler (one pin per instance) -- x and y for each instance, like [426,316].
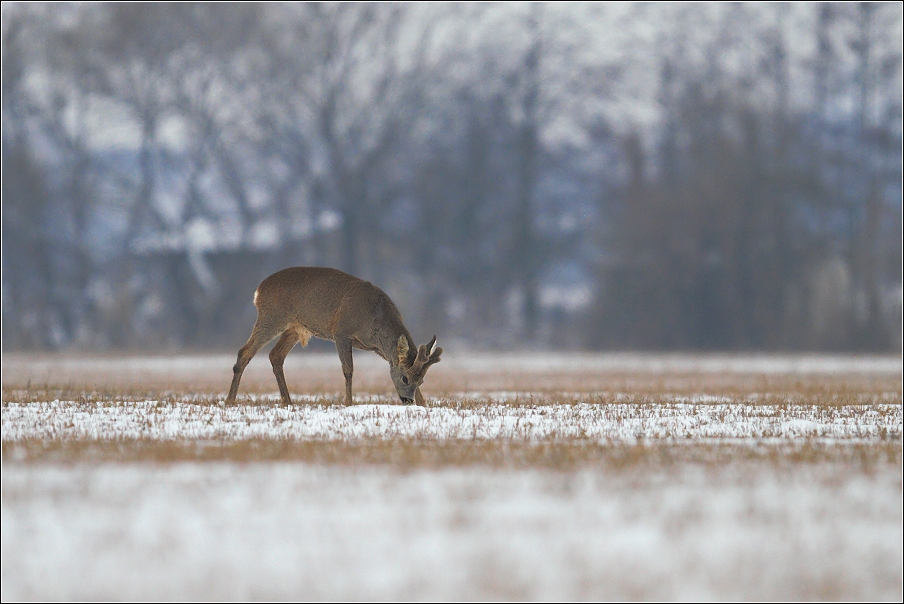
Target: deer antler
[424,350]
[426,356]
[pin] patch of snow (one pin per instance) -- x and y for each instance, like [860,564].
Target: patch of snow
[599,421]
[376,410]
[305,532]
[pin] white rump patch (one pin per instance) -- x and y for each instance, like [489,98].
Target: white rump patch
[304,334]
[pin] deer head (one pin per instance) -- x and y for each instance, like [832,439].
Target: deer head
[409,373]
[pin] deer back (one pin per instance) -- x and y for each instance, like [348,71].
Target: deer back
[330,304]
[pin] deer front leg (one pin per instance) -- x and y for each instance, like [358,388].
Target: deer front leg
[277,357]
[259,337]
[344,346]
[418,397]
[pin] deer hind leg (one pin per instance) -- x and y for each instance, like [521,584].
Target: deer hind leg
[344,347]
[278,355]
[260,335]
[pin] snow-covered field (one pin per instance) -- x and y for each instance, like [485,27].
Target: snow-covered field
[713,419]
[684,477]
[294,531]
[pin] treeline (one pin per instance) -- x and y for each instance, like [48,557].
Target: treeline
[571,176]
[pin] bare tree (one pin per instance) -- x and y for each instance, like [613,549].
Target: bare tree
[340,106]
[721,176]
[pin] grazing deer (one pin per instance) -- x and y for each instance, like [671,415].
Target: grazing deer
[301,302]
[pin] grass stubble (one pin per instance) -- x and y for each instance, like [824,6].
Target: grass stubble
[107,384]
[644,466]
[68,377]
[412,454]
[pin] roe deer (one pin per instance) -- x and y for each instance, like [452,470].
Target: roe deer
[301,302]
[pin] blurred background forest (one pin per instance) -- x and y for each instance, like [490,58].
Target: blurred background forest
[563,176]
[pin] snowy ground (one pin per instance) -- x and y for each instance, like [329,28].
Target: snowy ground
[639,477]
[695,419]
[295,531]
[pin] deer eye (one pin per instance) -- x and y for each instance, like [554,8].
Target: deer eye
[404,380]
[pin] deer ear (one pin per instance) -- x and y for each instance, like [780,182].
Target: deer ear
[402,350]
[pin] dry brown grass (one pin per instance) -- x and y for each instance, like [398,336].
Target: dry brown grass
[406,454]
[781,401]
[751,517]
[202,380]
[72,377]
